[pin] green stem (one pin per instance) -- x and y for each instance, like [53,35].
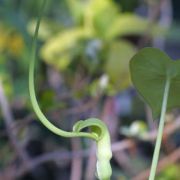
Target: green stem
[33,98]
[99,131]
[160,131]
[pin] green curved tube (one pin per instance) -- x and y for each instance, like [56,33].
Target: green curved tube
[99,131]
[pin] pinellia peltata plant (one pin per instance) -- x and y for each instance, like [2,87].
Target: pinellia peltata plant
[98,130]
[157,79]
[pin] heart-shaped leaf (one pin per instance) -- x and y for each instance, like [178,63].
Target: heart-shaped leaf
[150,69]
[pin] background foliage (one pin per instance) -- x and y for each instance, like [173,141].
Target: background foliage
[84,50]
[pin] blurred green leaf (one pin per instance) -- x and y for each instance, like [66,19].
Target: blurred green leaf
[56,50]
[104,12]
[116,66]
[77,9]
[131,24]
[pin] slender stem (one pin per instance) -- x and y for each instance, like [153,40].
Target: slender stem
[160,131]
[33,98]
[102,138]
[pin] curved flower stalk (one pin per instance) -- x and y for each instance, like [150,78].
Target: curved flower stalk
[98,130]
[103,153]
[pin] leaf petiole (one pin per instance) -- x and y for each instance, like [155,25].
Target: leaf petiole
[160,130]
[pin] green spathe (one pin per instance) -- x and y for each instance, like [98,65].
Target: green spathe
[103,152]
[150,69]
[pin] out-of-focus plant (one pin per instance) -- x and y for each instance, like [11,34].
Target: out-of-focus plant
[94,42]
[13,56]
[98,130]
[11,41]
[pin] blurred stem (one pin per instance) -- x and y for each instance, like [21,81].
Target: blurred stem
[9,123]
[32,93]
[149,118]
[76,164]
[160,131]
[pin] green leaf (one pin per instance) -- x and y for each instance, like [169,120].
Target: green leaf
[150,69]
[116,66]
[77,9]
[130,24]
[104,13]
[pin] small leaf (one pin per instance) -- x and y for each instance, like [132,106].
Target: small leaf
[104,13]
[77,9]
[149,69]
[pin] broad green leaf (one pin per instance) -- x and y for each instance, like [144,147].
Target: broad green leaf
[99,6]
[149,69]
[116,66]
[95,15]
[130,24]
